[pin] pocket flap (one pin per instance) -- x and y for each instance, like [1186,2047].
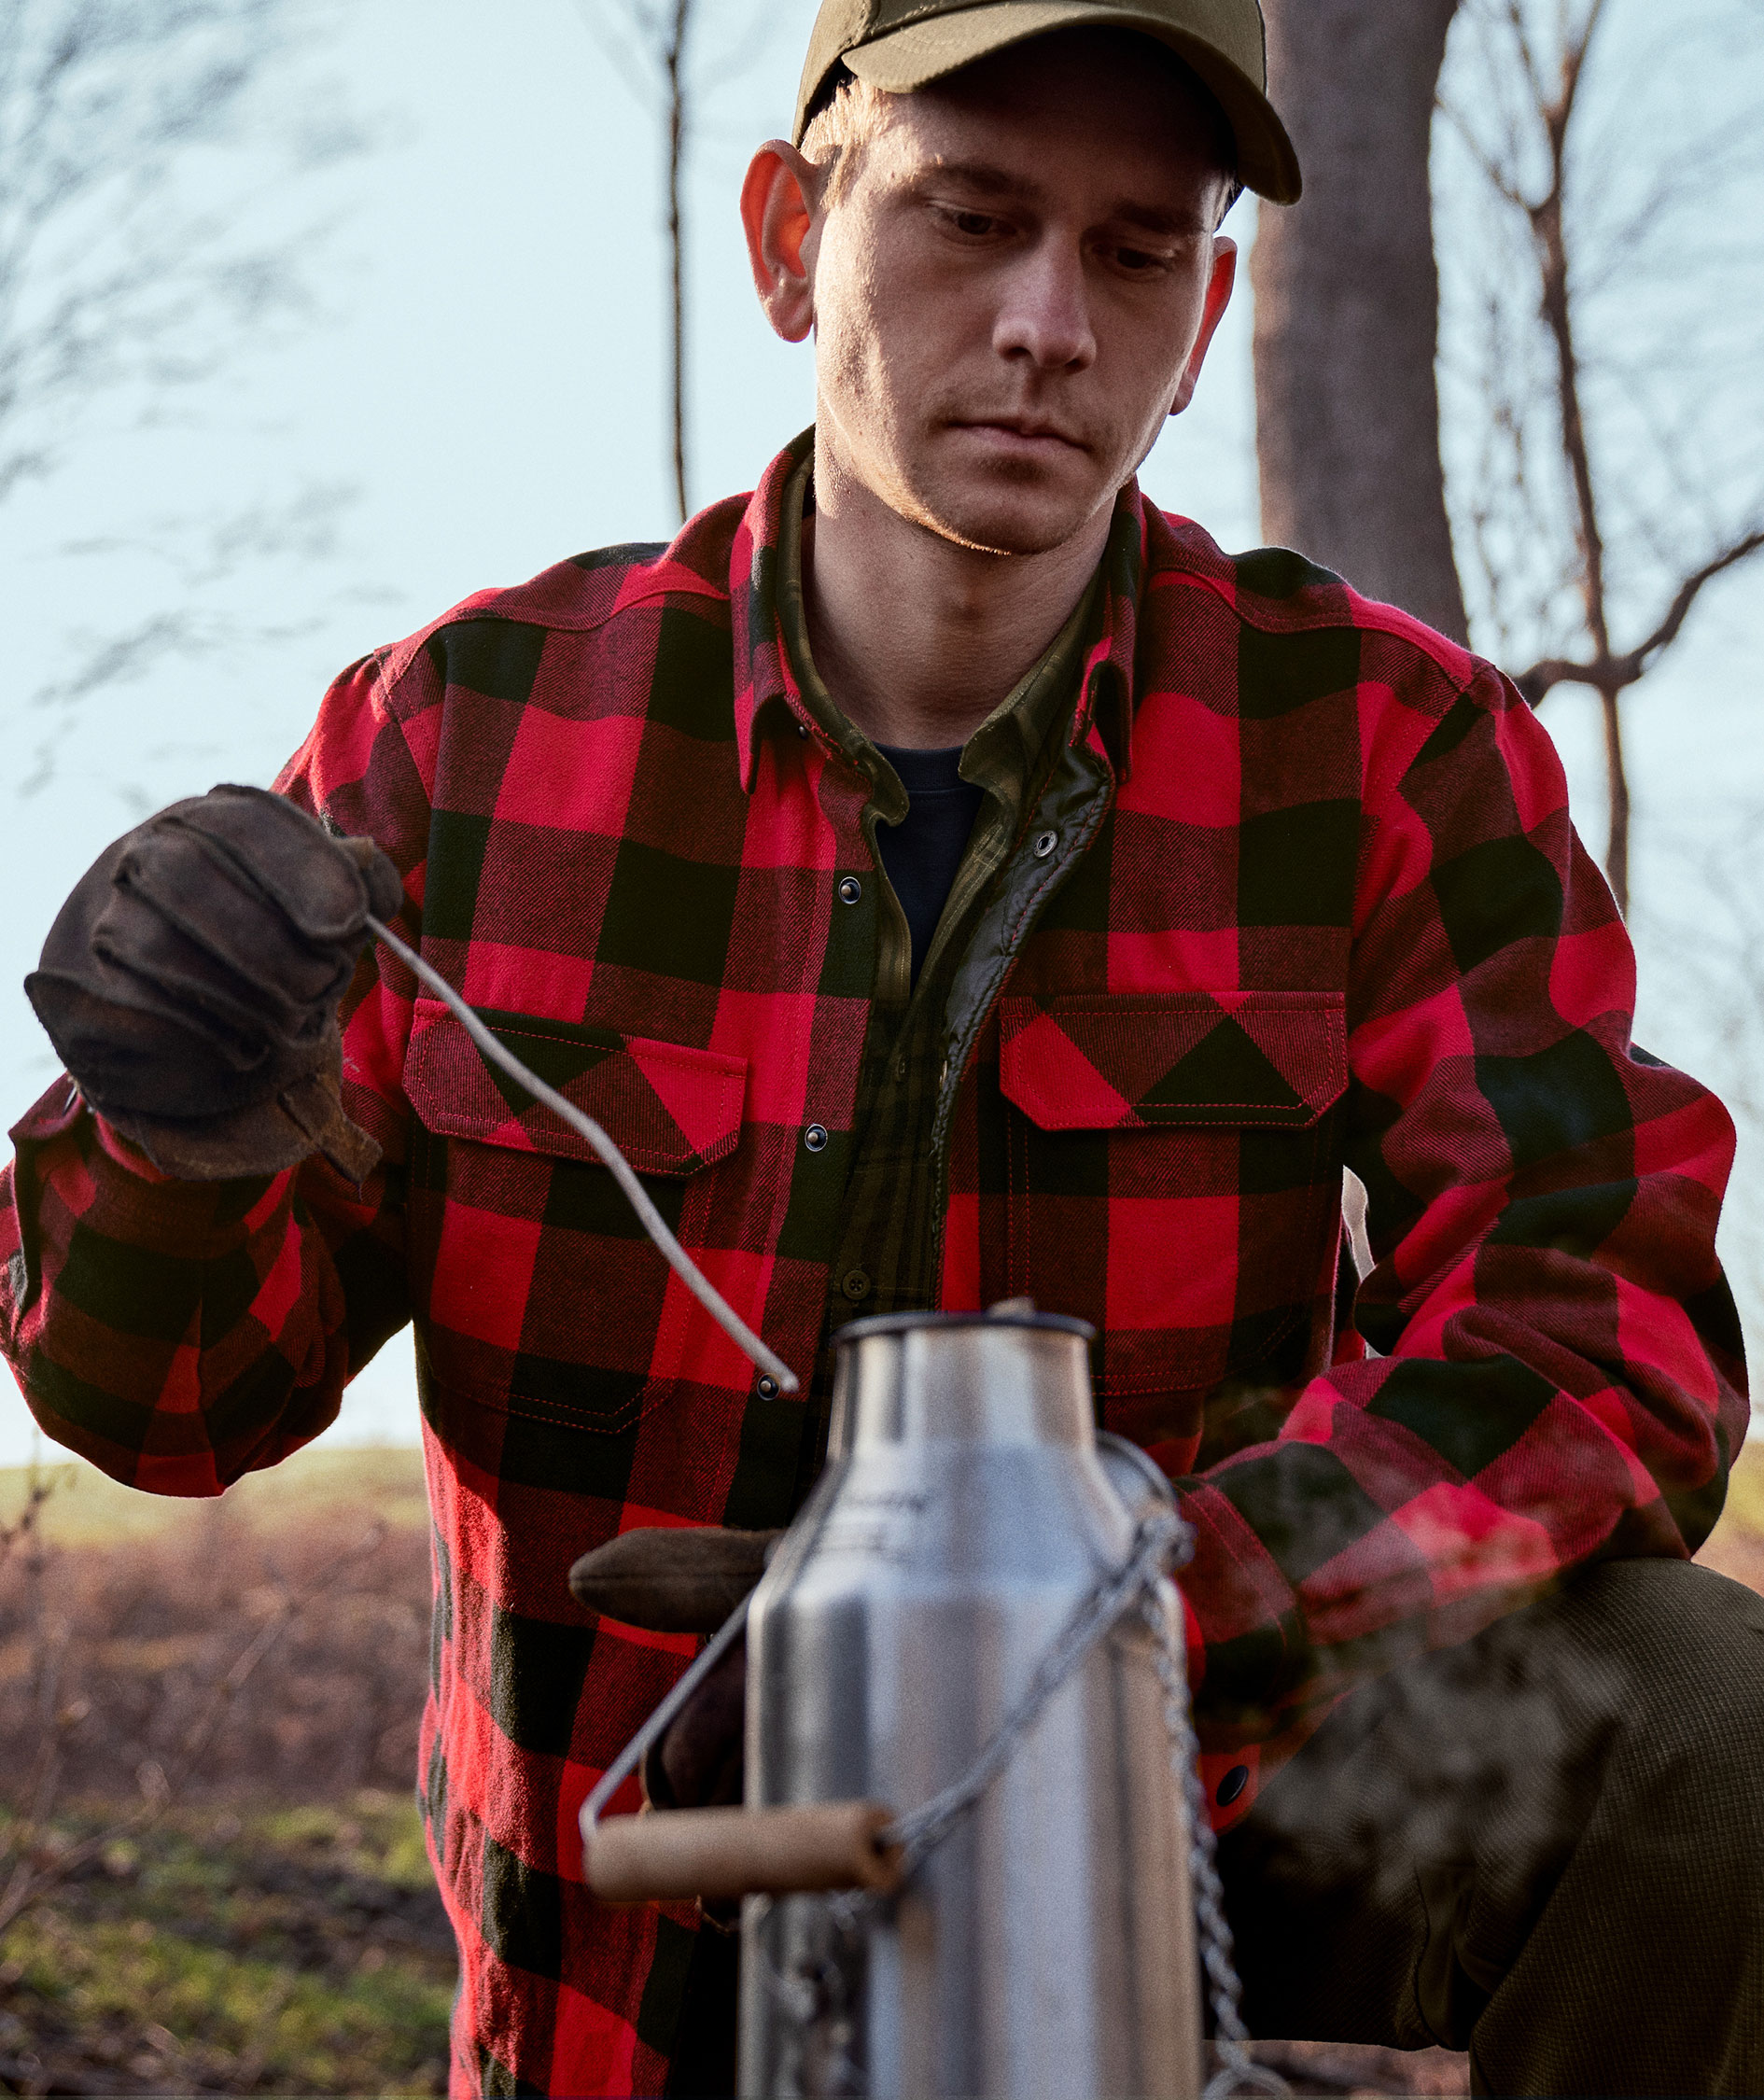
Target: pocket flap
[668,1109]
[1139,1061]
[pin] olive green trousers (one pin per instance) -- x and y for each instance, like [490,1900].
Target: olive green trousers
[1545,1847]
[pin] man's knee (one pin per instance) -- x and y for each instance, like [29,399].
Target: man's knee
[1680,1648]
[1657,1895]
[1674,1654]
[1634,1671]
[1590,1759]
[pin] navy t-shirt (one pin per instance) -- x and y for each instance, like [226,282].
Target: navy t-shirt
[923,852]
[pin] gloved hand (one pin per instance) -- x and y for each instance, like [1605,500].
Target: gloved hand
[699,1760]
[684,1582]
[190,984]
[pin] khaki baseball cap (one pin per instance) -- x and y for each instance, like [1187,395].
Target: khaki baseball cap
[902,45]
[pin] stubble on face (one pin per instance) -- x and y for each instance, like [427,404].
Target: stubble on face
[1008,291]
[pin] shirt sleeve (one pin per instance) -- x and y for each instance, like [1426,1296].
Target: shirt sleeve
[180,1333]
[1555,1371]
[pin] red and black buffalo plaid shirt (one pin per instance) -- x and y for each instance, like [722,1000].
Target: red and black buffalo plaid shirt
[1311,900]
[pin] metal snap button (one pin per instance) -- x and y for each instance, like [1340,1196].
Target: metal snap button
[802,730]
[815,1138]
[850,890]
[856,1285]
[1045,844]
[765,1385]
[1232,1785]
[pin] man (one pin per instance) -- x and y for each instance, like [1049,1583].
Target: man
[949,877]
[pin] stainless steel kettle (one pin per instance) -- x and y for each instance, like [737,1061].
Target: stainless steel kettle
[1045,1947]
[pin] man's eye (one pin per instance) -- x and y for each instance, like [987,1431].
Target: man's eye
[1137,259]
[976,224]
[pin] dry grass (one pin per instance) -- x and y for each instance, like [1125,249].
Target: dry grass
[211,1873]
[119,1649]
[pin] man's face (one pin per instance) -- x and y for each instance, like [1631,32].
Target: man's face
[1016,288]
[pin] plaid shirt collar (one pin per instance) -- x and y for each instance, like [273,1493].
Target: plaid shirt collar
[768,698]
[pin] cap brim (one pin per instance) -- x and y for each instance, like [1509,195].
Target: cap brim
[924,51]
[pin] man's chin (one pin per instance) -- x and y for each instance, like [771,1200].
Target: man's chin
[1017,521]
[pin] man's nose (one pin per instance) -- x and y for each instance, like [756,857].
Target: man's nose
[1044,314]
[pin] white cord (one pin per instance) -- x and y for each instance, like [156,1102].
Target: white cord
[679,1260]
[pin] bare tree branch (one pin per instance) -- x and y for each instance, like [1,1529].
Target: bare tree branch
[145,180]
[1496,170]
[674,67]
[664,32]
[1669,629]
[1618,673]
[108,275]
[630,66]
[1585,240]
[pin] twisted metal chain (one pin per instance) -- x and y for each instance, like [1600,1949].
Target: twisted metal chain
[1237,2071]
[1156,1541]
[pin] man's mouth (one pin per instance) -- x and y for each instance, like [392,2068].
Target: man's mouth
[1024,433]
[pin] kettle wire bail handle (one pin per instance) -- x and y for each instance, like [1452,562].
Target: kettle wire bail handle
[677,1259]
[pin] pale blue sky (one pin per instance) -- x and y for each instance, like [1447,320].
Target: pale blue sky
[490,380]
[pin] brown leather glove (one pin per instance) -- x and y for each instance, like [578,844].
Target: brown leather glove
[700,1759]
[684,1582]
[190,984]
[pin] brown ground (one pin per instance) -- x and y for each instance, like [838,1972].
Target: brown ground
[1339,2067]
[275,1929]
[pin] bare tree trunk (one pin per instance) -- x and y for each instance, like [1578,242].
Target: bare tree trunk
[1347,305]
[674,61]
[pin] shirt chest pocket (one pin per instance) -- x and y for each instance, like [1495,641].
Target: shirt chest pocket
[1174,1177]
[538,1288]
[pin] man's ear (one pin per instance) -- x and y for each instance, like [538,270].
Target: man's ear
[779,219]
[1219,288]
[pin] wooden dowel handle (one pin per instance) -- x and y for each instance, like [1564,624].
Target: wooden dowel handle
[664,1856]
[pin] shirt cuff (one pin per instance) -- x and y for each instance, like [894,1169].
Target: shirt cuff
[127,1155]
